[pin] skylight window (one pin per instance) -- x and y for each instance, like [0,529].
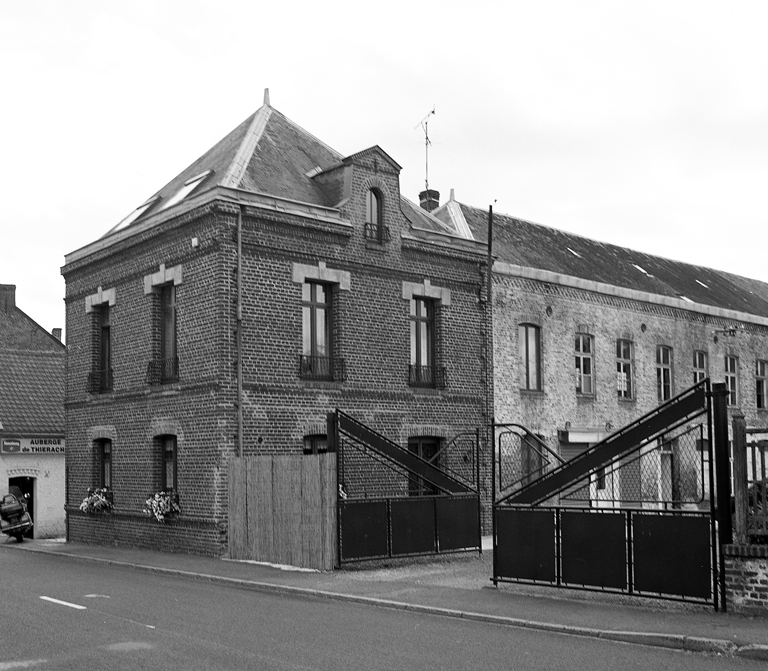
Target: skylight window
[133,216]
[641,269]
[573,252]
[702,284]
[185,190]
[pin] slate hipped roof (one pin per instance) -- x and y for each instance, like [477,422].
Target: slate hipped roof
[523,243]
[271,155]
[32,392]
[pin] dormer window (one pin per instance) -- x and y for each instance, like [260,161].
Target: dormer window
[374,217]
[189,186]
[373,208]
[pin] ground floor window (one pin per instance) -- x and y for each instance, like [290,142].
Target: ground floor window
[316,443]
[427,448]
[169,470]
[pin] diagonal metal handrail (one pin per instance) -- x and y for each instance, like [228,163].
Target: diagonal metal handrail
[403,458]
[675,412]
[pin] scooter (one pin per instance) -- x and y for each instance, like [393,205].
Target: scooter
[14,519]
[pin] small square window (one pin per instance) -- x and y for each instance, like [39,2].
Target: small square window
[315,444]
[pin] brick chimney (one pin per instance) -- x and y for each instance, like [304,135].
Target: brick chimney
[56,333]
[429,200]
[7,297]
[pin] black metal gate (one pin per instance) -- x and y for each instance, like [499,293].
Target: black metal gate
[385,508]
[633,514]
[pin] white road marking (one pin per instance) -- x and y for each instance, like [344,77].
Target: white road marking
[95,596]
[25,664]
[63,603]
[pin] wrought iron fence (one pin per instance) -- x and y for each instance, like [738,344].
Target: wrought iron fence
[99,380]
[427,376]
[322,368]
[161,371]
[377,233]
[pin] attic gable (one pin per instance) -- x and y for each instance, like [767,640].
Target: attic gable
[374,158]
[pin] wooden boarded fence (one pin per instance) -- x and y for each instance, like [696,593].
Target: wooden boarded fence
[282,509]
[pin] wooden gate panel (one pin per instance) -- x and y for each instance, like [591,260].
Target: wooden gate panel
[282,510]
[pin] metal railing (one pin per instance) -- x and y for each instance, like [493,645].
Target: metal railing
[377,233]
[322,368]
[427,376]
[99,381]
[162,371]
[751,492]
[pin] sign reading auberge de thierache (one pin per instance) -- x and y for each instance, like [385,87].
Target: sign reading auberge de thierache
[32,446]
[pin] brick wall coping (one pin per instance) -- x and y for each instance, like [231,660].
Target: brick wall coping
[445,239]
[759,551]
[229,195]
[513,270]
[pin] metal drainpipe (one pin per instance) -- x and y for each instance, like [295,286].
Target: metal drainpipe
[239,344]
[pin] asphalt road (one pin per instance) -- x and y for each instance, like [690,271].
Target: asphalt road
[64,613]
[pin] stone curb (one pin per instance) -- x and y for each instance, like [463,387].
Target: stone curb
[756,651]
[670,641]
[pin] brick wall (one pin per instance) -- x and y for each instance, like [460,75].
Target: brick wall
[562,311]
[371,324]
[746,579]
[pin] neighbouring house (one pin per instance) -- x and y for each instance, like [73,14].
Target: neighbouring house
[32,444]
[272,281]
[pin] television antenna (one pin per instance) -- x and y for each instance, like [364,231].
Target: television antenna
[424,123]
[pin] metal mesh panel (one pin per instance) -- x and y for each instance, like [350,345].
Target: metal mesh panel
[364,473]
[668,472]
[521,457]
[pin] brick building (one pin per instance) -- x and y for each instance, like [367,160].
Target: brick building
[590,336]
[306,270]
[32,442]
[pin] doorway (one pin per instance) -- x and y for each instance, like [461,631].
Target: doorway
[24,490]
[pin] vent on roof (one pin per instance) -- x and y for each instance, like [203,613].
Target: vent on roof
[685,298]
[573,252]
[185,190]
[702,284]
[641,269]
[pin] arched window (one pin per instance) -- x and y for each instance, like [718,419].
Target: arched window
[373,208]
[374,217]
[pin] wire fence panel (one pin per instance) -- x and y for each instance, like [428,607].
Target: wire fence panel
[669,472]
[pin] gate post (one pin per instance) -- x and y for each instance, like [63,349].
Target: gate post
[722,461]
[739,425]
[719,397]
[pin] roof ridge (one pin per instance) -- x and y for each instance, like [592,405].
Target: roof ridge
[248,145]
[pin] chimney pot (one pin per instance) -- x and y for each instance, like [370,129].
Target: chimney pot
[7,297]
[429,200]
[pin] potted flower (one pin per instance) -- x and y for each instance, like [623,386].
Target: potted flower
[98,500]
[161,505]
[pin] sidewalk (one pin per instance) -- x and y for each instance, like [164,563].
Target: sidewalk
[460,586]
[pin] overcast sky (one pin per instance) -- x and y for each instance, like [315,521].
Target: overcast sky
[644,124]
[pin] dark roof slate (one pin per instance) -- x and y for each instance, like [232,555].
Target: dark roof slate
[523,243]
[32,392]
